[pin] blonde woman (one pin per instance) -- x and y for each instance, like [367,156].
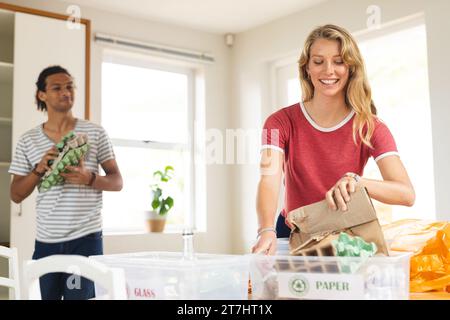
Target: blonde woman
[323,143]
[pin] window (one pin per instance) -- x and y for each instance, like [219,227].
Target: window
[396,61]
[287,83]
[148,112]
[287,92]
[294,92]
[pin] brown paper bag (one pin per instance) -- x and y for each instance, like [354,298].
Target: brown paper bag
[317,220]
[318,245]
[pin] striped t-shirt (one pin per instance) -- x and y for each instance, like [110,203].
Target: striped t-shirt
[67,211]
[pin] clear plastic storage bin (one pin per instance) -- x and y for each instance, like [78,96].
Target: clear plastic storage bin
[167,275]
[320,277]
[282,247]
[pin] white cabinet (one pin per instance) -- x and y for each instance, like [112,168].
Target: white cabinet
[6,80]
[28,44]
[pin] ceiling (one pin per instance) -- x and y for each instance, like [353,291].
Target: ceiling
[215,16]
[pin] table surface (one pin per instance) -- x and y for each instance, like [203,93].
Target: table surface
[418,296]
[430,296]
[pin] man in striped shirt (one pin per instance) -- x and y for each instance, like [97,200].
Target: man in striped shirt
[68,215]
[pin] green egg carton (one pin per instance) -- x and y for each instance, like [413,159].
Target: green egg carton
[72,148]
[347,246]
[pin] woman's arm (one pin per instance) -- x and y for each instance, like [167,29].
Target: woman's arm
[395,188]
[267,199]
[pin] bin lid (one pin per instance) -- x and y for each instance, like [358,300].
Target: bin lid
[167,259]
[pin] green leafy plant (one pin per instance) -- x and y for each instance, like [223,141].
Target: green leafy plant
[160,204]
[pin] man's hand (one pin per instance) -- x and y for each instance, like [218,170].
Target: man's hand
[77,175]
[51,154]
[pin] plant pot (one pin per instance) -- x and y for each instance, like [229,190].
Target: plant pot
[155,221]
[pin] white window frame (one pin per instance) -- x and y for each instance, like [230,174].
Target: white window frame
[390,27]
[277,103]
[404,23]
[196,214]
[274,67]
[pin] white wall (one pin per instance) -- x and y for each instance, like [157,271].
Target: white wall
[251,100]
[438,26]
[218,236]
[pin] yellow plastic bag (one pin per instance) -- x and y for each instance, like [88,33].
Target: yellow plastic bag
[430,244]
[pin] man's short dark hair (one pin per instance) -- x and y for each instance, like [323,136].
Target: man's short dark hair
[42,82]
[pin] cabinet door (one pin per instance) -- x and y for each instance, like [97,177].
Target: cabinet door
[38,43]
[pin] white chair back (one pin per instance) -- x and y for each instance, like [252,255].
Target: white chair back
[12,282]
[111,279]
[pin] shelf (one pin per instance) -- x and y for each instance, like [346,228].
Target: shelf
[6,65]
[7,24]
[5,120]
[4,164]
[6,72]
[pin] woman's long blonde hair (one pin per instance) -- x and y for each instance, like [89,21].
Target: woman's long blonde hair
[358,93]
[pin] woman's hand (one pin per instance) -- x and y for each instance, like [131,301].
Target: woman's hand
[267,243]
[339,195]
[77,175]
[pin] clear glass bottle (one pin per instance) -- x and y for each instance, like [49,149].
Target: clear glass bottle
[188,244]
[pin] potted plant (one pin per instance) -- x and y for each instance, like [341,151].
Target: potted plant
[161,204]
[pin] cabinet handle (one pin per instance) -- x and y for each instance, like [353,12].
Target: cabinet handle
[20,210]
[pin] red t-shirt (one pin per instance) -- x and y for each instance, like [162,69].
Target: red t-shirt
[315,158]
